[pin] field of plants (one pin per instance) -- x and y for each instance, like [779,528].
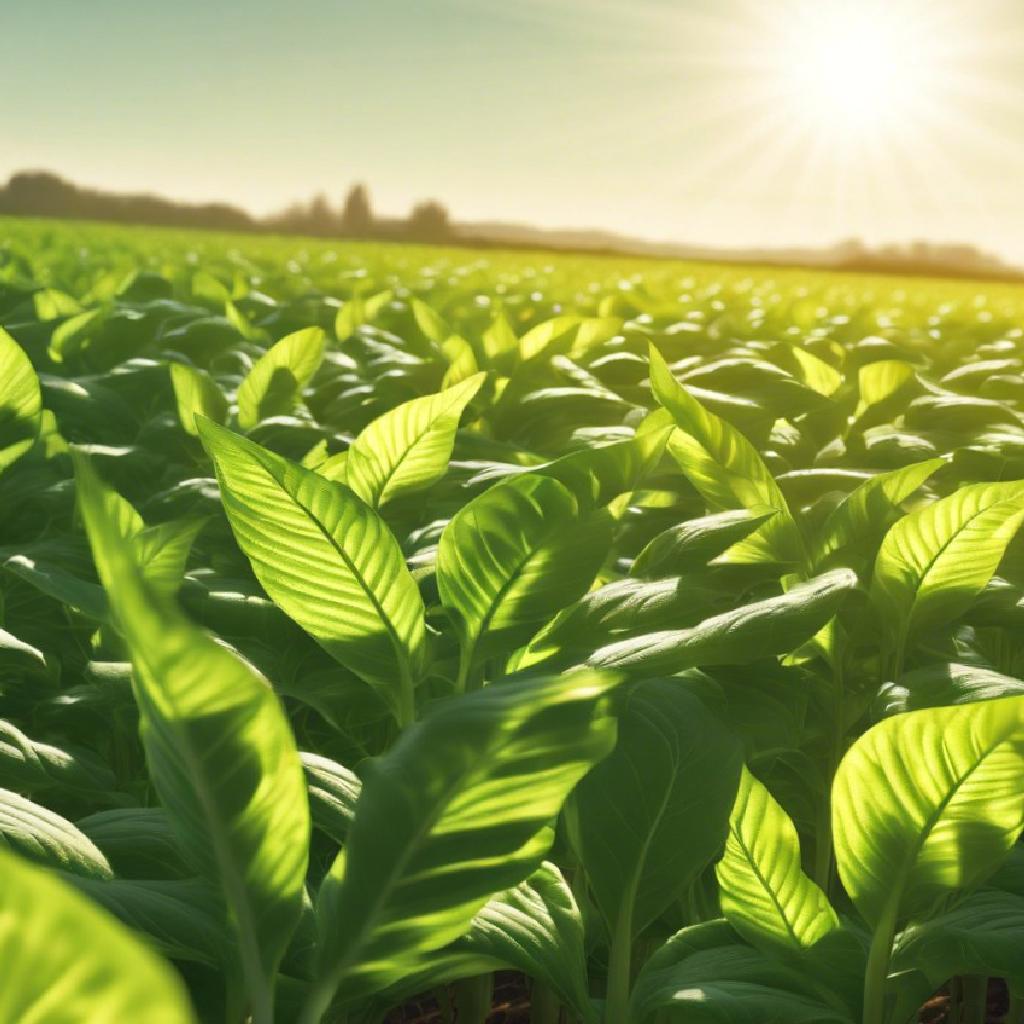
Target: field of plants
[374,620]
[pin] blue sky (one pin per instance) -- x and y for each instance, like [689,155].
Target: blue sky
[666,118]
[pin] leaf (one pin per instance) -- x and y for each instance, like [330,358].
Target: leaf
[499,339]
[328,561]
[880,380]
[816,373]
[692,544]
[27,765]
[333,792]
[539,338]
[648,819]
[937,559]
[869,506]
[183,918]
[983,935]
[20,402]
[705,975]
[946,684]
[726,469]
[196,392]
[514,556]
[764,893]
[459,809]
[774,626]
[927,803]
[67,961]
[408,448]
[432,324]
[44,836]
[274,384]
[220,753]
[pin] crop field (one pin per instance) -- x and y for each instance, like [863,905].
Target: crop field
[376,620]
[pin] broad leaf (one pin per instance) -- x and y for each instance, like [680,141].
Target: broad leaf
[68,962]
[937,559]
[693,543]
[774,626]
[408,448]
[869,508]
[274,384]
[726,469]
[327,559]
[764,893]
[220,753]
[654,813]
[459,809]
[197,393]
[514,556]
[927,803]
[20,401]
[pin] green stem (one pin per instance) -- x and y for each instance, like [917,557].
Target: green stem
[465,664]
[545,1006]
[878,965]
[406,701]
[823,839]
[473,999]
[1016,1014]
[620,960]
[975,999]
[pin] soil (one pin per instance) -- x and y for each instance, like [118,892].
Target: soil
[512,1005]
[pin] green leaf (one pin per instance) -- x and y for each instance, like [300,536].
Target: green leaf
[275,383]
[648,819]
[196,392]
[27,765]
[408,448]
[327,559]
[938,558]
[67,961]
[774,626]
[20,402]
[705,975]
[539,338]
[726,469]
[983,934]
[183,918]
[514,556]
[870,506]
[459,809]
[816,373]
[880,380]
[499,339]
[927,803]
[432,324]
[764,893]
[47,838]
[692,544]
[220,753]
[534,927]
[333,792]
[946,684]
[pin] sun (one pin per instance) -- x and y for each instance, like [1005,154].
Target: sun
[853,69]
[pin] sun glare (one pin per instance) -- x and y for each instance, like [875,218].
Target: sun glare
[855,68]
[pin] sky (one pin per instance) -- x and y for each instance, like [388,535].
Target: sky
[725,122]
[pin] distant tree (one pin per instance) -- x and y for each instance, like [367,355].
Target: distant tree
[357,215]
[429,222]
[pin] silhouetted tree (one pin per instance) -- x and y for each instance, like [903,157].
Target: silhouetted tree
[428,222]
[357,215]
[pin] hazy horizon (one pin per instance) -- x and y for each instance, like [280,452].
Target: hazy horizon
[701,122]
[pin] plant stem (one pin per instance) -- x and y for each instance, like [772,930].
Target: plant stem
[878,964]
[620,961]
[1016,1014]
[823,839]
[545,1006]
[473,998]
[407,701]
[975,998]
